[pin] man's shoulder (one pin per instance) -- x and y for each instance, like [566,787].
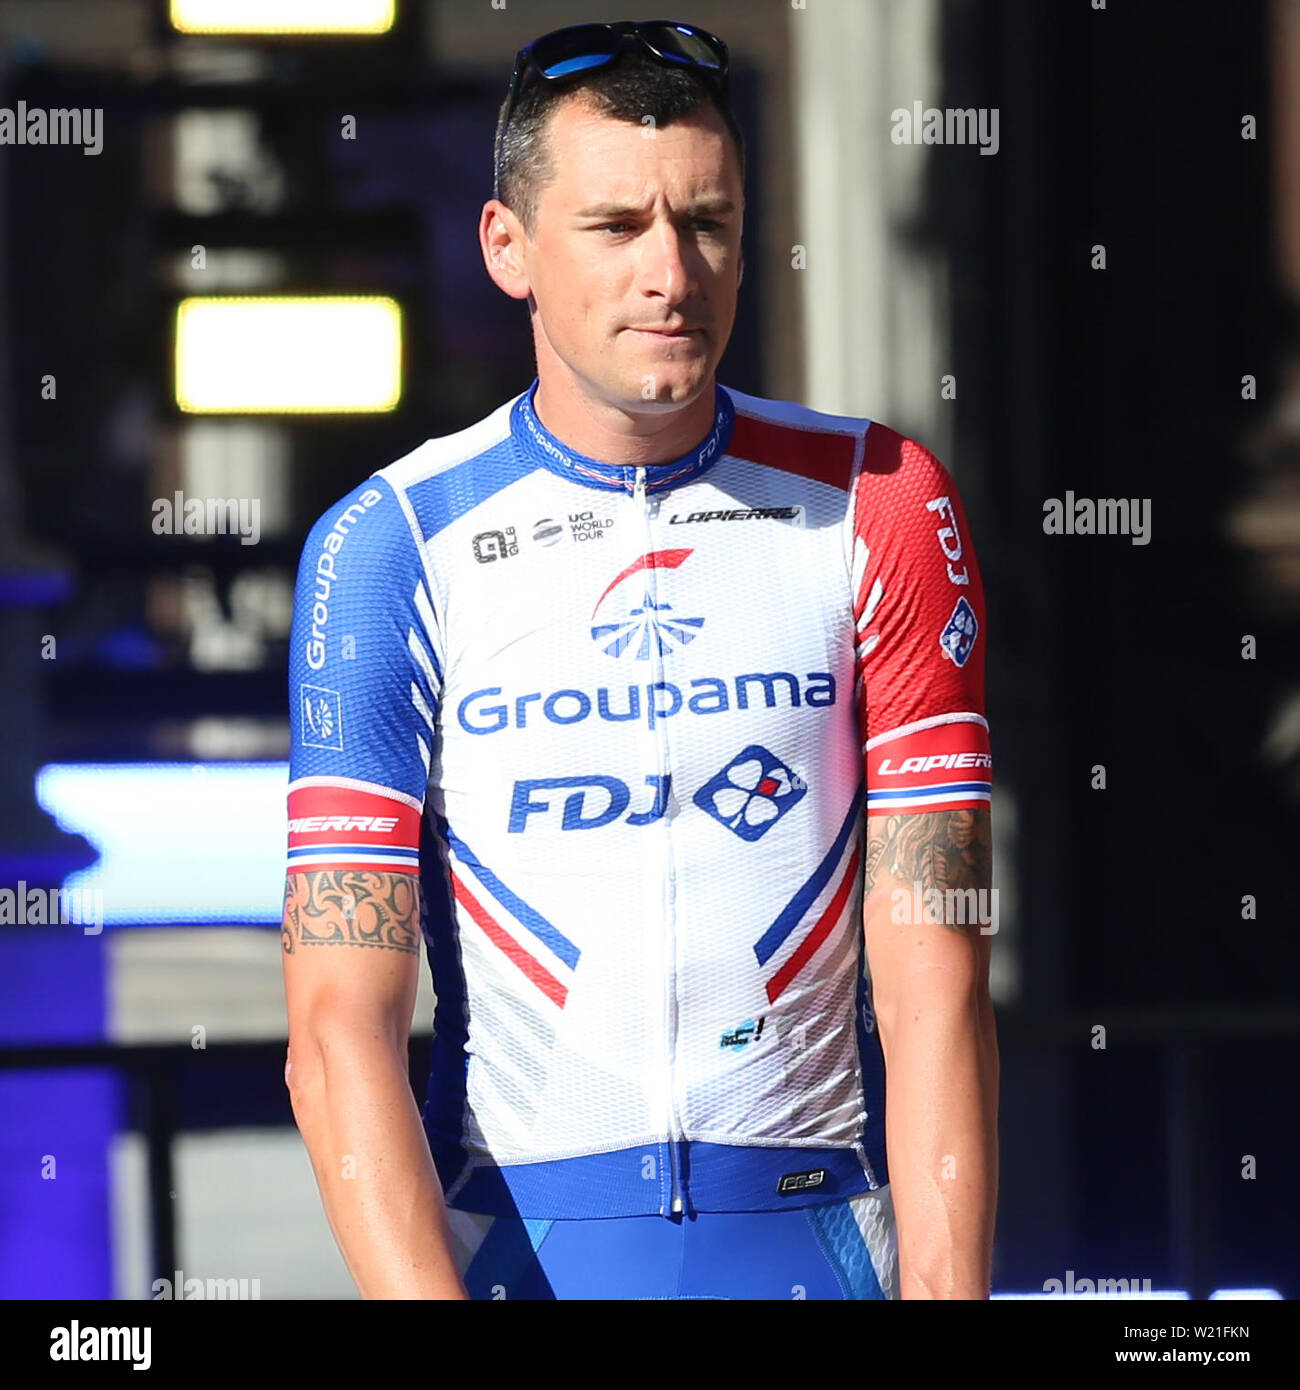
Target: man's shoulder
[445,452]
[382,506]
[793,415]
[837,449]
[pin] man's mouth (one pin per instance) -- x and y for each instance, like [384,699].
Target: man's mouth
[669,335]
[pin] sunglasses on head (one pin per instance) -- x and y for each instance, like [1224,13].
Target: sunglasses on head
[584,48]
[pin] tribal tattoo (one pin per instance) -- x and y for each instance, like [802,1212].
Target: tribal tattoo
[335,907]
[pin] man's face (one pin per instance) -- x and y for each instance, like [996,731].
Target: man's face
[638,233]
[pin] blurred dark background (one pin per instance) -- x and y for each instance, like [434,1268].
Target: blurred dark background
[143,703]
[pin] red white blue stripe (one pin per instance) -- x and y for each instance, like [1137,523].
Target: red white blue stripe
[341,823]
[505,920]
[800,920]
[941,763]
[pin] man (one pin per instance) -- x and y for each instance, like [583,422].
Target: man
[655,708]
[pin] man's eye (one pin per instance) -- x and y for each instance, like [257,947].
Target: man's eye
[709,224]
[615,227]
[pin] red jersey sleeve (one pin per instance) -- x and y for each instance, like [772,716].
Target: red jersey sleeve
[919,613]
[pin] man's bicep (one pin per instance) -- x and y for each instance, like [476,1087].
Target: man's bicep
[940,850]
[351,948]
[929,912]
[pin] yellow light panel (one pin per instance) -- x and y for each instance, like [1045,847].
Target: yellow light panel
[282,16]
[280,355]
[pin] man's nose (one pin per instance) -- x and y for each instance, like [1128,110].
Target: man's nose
[669,265]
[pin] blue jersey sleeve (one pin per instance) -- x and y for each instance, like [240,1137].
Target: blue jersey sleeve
[365,678]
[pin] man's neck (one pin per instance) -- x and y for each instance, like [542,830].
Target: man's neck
[616,435]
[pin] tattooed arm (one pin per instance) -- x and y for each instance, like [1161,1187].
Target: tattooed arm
[351,945]
[929,922]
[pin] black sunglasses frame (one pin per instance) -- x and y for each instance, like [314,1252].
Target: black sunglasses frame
[626,35]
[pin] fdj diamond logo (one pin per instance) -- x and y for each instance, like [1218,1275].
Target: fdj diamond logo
[752,792]
[648,627]
[957,639]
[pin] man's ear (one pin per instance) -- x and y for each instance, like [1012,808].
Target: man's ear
[500,235]
[740,274]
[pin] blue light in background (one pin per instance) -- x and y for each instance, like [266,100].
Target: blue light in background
[55,1125]
[179,842]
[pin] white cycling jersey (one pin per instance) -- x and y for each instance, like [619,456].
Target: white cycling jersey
[625,724]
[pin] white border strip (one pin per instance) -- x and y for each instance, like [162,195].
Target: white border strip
[931,723]
[352,784]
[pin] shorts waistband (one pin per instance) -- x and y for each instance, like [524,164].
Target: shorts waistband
[642,1180]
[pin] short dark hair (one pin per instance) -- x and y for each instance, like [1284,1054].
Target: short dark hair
[634,87]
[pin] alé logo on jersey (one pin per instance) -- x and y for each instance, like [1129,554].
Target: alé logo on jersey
[636,623]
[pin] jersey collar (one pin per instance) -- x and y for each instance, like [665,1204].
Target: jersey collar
[537,442]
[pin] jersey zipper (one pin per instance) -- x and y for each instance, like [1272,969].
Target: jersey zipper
[656,656]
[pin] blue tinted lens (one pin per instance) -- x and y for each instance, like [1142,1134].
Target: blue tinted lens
[567,65]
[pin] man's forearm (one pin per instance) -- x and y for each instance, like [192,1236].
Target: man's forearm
[930,973]
[353,1104]
[942,1147]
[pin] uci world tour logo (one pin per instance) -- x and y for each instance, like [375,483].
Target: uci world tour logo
[649,627]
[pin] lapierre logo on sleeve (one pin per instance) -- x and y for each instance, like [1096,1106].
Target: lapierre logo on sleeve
[317,825]
[334,824]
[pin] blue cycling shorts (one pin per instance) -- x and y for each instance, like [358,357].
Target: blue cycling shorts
[846,1249]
